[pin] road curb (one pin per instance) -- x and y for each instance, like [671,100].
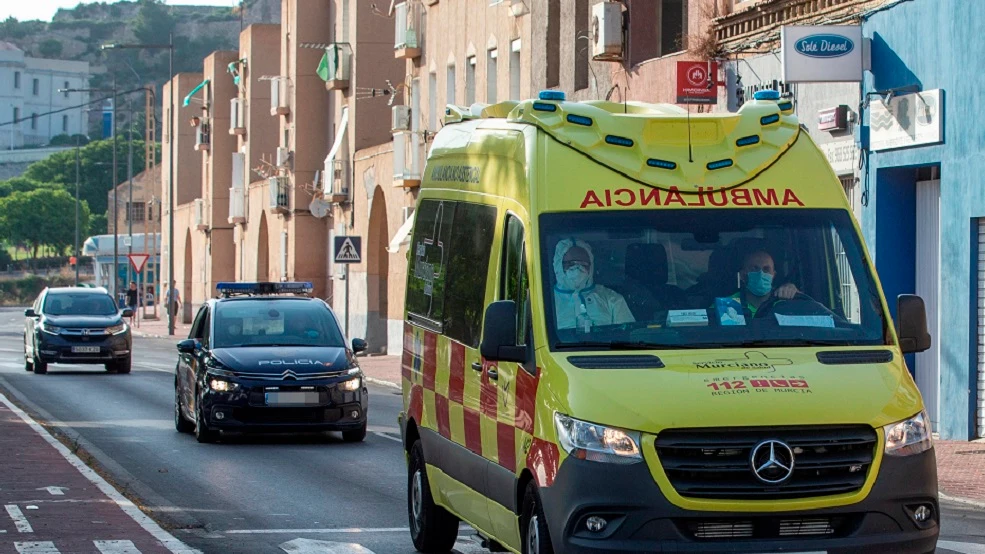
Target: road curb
[959,500]
[382,383]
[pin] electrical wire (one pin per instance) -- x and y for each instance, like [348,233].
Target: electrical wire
[53,112]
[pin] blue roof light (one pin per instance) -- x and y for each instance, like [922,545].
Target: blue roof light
[720,164]
[785,106]
[769,119]
[746,141]
[662,164]
[766,95]
[228,289]
[542,107]
[553,95]
[579,120]
[619,141]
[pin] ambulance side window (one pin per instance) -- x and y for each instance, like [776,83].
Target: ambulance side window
[469,248]
[513,283]
[428,270]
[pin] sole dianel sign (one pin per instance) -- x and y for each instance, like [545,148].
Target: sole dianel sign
[822,53]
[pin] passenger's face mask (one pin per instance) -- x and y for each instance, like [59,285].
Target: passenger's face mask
[759,283]
[575,277]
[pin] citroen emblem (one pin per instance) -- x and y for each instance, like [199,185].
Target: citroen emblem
[772,461]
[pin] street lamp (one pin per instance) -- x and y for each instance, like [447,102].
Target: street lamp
[170,48]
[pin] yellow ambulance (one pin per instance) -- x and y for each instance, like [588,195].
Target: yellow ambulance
[631,329]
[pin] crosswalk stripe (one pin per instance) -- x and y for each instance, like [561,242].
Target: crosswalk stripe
[962,547]
[116,547]
[23,526]
[42,547]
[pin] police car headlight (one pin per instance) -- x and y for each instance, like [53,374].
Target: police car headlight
[117,329]
[597,443]
[351,385]
[909,437]
[222,385]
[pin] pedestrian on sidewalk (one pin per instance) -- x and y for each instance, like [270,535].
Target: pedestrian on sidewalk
[173,300]
[132,293]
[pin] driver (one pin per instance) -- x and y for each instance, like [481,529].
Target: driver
[756,282]
[578,301]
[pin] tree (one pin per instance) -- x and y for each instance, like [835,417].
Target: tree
[153,23]
[23,184]
[42,217]
[50,48]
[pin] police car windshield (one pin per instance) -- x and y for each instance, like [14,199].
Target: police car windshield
[274,322]
[703,278]
[79,303]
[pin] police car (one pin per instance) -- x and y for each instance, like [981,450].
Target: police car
[267,357]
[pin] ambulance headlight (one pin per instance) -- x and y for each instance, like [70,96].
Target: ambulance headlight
[910,436]
[597,443]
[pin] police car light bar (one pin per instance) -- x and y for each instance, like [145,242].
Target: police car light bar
[229,289]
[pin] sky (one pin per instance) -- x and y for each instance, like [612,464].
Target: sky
[45,9]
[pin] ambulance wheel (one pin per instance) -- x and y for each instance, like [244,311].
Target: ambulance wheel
[533,524]
[432,528]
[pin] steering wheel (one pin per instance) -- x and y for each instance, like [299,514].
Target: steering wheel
[807,306]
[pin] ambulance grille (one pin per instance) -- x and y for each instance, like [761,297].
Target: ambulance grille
[768,527]
[715,463]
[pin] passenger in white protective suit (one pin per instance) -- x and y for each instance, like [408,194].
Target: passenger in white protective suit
[580,303]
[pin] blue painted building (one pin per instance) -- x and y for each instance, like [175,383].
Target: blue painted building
[924,190]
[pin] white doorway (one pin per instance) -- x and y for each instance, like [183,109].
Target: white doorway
[928,262]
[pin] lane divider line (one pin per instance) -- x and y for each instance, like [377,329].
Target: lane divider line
[40,547]
[116,547]
[23,526]
[142,519]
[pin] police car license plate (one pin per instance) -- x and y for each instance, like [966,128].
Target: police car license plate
[85,350]
[291,398]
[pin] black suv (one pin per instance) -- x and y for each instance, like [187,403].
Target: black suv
[76,326]
[267,357]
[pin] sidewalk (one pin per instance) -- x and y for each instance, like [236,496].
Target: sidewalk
[158,328]
[54,503]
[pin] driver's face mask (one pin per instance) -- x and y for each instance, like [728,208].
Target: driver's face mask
[759,283]
[575,276]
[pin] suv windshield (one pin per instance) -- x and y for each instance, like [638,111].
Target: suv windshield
[287,322]
[79,303]
[705,279]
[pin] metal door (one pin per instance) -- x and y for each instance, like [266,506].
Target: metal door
[980,407]
[928,263]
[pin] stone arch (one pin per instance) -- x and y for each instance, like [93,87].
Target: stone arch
[377,270]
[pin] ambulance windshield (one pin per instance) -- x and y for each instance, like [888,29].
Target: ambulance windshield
[707,279]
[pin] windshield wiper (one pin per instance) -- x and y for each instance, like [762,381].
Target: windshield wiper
[623,345]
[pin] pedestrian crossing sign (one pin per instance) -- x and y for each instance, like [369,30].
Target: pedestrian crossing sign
[348,249]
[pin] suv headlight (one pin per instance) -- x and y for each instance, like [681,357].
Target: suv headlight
[597,443]
[50,329]
[910,436]
[117,329]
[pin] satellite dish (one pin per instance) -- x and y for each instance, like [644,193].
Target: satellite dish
[319,207]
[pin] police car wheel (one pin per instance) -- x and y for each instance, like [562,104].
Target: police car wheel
[202,431]
[432,528]
[533,524]
[181,424]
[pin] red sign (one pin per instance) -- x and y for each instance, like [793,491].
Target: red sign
[697,82]
[138,261]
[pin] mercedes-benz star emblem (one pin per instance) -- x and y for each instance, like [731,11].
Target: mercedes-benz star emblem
[772,461]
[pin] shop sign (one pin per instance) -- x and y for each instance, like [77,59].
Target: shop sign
[697,82]
[906,120]
[821,53]
[842,155]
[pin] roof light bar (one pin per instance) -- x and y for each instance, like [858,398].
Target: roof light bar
[766,95]
[720,164]
[552,95]
[229,289]
[769,119]
[785,106]
[619,141]
[579,120]
[662,164]
[746,141]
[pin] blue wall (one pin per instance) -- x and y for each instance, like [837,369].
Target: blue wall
[936,44]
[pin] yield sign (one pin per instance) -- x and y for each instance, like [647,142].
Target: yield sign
[138,261]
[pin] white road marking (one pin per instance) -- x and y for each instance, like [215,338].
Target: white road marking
[43,547]
[319,531]
[54,491]
[149,525]
[962,547]
[310,546]
[116,547]
[386,436]
[19,520]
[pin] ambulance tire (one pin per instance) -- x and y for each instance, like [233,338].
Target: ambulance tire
[432,528]
[533,524]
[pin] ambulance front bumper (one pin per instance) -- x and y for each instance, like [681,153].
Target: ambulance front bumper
[639,518]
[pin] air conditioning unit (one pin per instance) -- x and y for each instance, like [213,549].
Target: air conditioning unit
[202,137]
[400,120]
[279,198]
[283,157]
[606,31]
[198,214]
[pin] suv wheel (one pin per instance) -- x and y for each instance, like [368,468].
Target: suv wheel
[28,364]
[533,524]
[202,431]
[181,423]
[432,528]
[122,366]
[355,435]
[40,368]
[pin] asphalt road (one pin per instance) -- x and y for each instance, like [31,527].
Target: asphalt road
[254,494]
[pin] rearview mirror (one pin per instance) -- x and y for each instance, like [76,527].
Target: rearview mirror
[358,345]
[187,346]
[499,334]
[127,312]
[911,324]
[30,313]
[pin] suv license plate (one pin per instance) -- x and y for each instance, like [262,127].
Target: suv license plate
[291,398]
[85,350]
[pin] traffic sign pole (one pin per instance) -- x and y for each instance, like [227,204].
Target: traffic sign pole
[347,250]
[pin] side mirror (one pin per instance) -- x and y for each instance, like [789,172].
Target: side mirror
[358,345]
[911,324]
[187,346]
[127,312]
[499,334]
[30,313]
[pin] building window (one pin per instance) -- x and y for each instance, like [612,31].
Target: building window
[36,87]
[34,121]
[64,123]
[491,68]
[553,43]
[17,79]
[65,91]
[433,102]
[450,85]
[135,212]
[470,81]
[581,44]
[515,70]
[17,115]
[673,26]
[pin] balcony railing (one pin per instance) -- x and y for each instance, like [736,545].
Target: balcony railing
[406,43]
[765,17]
[236,124]
[279,193]
[407,156]
[278,96]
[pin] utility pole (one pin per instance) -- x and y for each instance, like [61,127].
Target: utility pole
[116,209]
[130,177]
[77,252]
